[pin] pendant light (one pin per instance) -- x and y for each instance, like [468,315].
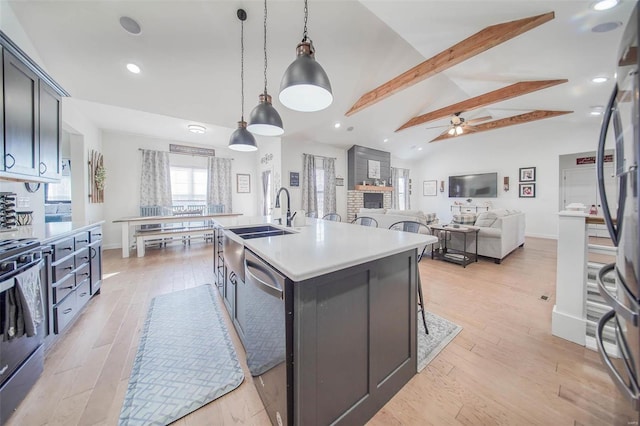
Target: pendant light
[305,86]
[241,139]
[264,119]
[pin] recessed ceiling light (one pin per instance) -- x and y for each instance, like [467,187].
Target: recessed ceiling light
[337,125]
[196,128]
[420,149]
[605,4]
[133,68]
[596,110]
[595,113]
[130,25]
[385,140]
[606,27]
[599,79]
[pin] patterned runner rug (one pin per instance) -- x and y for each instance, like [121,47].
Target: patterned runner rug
[441,332]
[185,359]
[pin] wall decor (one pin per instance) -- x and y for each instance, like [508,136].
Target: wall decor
[192,150]
[266,158]
[527,174]
[97,177]
[243,182]
[294,178]
[430,188]
[373,169]
[339,181]
[32,186]
[527,190]
[441,186]
[506,183]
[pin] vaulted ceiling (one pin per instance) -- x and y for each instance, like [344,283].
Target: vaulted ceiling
[189,52]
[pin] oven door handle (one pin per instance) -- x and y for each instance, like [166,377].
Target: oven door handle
[630,393]
[630,315]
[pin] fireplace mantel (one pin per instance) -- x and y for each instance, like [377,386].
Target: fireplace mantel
[373,188]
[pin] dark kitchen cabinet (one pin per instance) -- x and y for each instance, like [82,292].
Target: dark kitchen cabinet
[50,114]
[30,118]
[20,117]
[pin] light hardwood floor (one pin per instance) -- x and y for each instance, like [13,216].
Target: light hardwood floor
[503,368]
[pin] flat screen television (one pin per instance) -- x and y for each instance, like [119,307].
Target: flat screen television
[484,185]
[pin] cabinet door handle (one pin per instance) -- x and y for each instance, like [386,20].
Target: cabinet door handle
[12,158]
[86,274]
[45,168]
[84,258]
[94,252]
[66,311]
[67,268]
[83,294]
[97,235]
[82,241]
[67,248]
[66,288]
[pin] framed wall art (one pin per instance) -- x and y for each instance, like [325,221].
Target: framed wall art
[294,178]
[430,188]
[527,190]
[243,182]
[527,174]
[374,169]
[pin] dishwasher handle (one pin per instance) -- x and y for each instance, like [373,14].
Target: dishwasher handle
[252,278]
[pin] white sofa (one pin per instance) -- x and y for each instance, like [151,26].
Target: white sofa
[387,217]
[501,232]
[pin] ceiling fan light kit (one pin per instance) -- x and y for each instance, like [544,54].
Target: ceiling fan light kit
[305,85]
[241,139]
[264,119]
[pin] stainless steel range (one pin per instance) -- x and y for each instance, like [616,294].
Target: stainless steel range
[23,321]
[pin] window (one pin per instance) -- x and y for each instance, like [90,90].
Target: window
[188,185]
[320,186]
[402,205]
[58,192]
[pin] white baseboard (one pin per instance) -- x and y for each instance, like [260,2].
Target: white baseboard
[568,327]
[545,236]
[612,350]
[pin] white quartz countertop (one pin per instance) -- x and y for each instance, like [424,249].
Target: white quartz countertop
[321,246]
[47,232]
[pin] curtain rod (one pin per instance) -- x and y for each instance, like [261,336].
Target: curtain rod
[185,153]
[321,156]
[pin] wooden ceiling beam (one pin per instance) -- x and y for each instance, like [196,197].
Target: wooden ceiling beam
[479,42]
[509,92]
[506,122]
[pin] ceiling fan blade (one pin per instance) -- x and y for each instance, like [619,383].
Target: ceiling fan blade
[479,119]
[437,127]
[440,137]
[470,129]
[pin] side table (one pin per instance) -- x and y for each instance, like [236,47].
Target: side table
[461,257]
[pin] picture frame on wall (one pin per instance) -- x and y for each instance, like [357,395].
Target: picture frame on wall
[294,179]
[243,182]
[527,190]
[430,188]
[527,174]
[373,171]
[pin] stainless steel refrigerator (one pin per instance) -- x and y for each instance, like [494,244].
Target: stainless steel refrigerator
[621,116]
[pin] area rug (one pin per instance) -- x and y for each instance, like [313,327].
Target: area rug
[185,359]
[441,333]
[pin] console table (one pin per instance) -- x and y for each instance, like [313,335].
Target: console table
[468,209]
[461,257]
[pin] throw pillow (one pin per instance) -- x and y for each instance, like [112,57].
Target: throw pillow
[464,219]
[50,208]
[486,219]
[430,218]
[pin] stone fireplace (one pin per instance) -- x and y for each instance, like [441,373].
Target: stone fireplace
[356,200]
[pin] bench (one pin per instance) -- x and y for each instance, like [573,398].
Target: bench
[161,234]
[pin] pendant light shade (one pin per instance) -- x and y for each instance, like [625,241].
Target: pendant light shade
[305,85]
[242,139]
[264,119]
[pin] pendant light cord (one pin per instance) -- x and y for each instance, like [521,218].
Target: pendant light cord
[306,17]
[265,48]
[242,68]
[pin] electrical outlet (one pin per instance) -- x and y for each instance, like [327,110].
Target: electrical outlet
[23,202]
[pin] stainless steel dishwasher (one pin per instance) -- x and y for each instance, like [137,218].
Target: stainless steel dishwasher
[266,319]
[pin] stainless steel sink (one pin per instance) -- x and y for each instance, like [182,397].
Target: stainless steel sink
[234,250]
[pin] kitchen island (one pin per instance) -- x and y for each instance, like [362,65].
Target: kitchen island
[326,313]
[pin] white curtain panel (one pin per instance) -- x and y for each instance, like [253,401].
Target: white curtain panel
[309,190]
[395,194]
[407,197]
[219,182]
[155,180]
[265,191]
[329,185]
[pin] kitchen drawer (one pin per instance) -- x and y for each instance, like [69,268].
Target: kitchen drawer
[82,256]
[82,293]
[81,240]
[95,234]
[63,268]
[82,273]
[62,249]
[64,312]
[63,287]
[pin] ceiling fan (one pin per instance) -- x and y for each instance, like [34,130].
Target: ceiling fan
[458,125]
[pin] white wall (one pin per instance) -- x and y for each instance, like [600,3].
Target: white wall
[292,162]
[123,165]
[504,151]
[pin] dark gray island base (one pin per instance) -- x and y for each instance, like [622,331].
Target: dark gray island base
[332,349]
